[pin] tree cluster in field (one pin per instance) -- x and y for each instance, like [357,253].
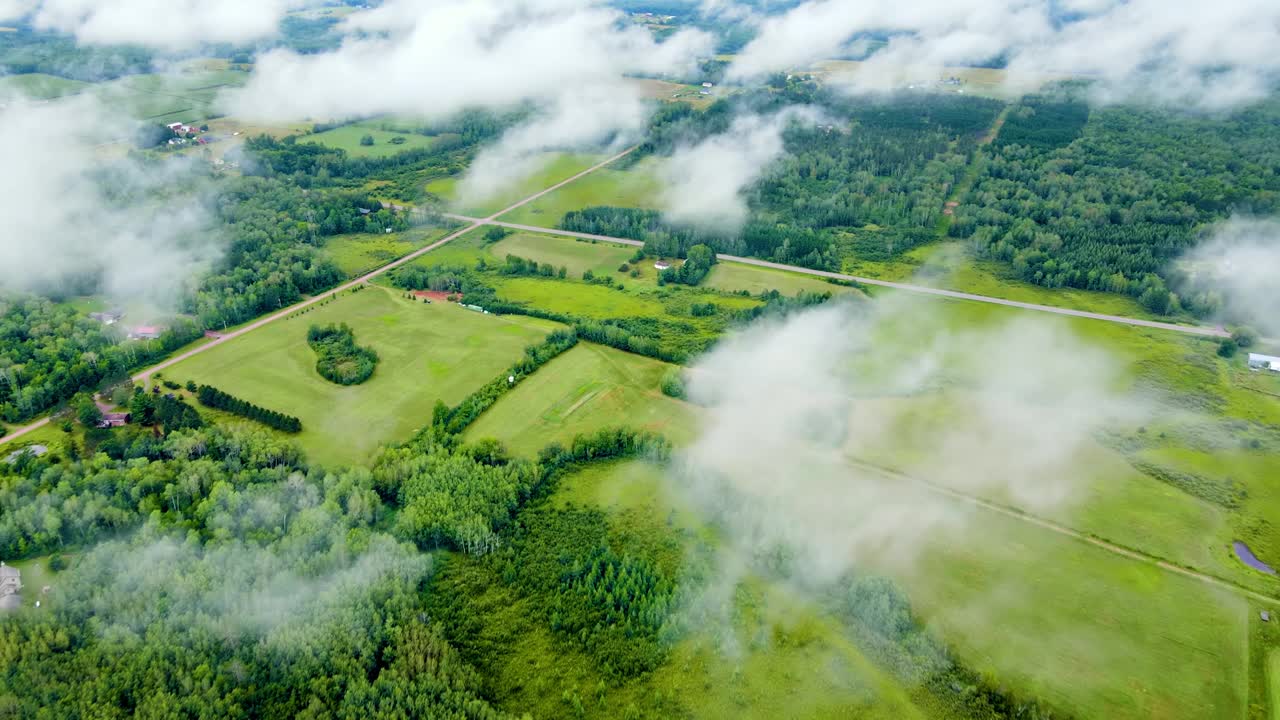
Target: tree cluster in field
[698,262]
[214,398]
[166,411]
[338,358]
[455,420]
[1109,203]
[518,266]
[50,352]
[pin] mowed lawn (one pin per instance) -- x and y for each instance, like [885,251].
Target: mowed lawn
[637,187]
[428,352]
[587,388]
[348,138]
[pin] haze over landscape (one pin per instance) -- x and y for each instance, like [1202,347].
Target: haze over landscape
[627,359]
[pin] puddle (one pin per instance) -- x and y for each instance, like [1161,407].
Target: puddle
[1248,558]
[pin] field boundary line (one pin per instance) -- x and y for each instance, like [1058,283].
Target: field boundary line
[1200,330]
[470,224]
[1059,528]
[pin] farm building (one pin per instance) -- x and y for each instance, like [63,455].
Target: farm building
[662,265]
[146,332]
[1264,362]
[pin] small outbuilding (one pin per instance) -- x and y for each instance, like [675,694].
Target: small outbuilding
[1266,616]
[146,332]
[10,580]
[662,265]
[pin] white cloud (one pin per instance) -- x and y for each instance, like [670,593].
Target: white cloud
[1239,263]
[434,59]
[999,412]
[164,24]
[704,183]
[1211,55]
[65,224]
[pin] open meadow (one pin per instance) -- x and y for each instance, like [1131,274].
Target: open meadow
[428,352]
[551,169]
[385,143]
[359,253]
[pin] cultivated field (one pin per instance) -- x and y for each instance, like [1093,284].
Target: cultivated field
[428,353]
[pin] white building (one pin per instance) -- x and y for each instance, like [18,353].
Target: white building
[1264,362]
[10,580]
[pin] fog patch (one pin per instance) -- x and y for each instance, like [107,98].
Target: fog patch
[1235,272]
[812,445]
[164,24]
[704,183]
[131,229]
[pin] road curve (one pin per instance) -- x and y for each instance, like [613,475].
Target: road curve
[472,224]
[1200,330]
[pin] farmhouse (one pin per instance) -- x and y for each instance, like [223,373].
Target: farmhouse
[146,332]
[114,419]
[1264,362]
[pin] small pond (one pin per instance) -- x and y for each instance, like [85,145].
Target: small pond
[1248,558]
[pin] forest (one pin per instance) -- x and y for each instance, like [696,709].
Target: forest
[339,359]
[872,179]
[1108,199]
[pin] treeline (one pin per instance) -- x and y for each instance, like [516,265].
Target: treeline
[699,261]
[889,632]
[167,411]
[1113,209]
[338,358]
[455,420]
[214,398]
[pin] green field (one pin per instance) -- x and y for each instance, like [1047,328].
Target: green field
[358,253]
[636,187]
[348,138]
[587,388]
[555,168]
[577,256]
[735,277]
[428,353]
[38,85]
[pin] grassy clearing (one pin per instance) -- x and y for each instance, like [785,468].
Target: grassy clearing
[735,277]
[576,256]
[360,253]
[587,388]
[348,138]
[636,187]
[186,97]
[1101,635]
[590,301]
[428,353]
[554,168]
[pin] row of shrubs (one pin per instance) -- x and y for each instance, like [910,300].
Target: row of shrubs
[214,398]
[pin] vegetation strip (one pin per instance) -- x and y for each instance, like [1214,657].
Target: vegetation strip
[212,397]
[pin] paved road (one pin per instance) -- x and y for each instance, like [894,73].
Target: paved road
[1188,329]
[472,224]
[1068,532]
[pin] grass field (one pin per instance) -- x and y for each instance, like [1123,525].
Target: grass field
[428,352]
[590,301]
[348,138]
[636,187]
[555,168]
[734,277]
[577,257]
[359,253]
[38,85]
[587,388]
